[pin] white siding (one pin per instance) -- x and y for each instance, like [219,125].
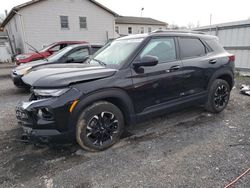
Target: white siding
[15,32]
[42,22]
[123,28]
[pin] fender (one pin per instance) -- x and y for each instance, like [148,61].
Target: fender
[125,104]
[219,73]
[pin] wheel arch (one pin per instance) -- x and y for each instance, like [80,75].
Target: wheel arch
[223,74]
[117,97]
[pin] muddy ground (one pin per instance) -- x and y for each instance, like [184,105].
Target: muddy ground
[190,148]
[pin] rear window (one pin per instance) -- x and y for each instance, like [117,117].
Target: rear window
[191,47]
[215,45]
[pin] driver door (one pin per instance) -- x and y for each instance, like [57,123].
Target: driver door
[158,84]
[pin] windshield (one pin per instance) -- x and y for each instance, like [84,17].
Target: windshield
[59,54]
[116,53]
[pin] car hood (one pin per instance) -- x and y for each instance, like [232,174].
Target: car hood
[52,77]
[32,64]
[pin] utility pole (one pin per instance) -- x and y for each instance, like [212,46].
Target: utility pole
[211,16]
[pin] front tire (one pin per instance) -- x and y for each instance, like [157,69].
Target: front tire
[99,126]
[218,96]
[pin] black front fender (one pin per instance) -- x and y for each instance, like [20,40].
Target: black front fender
[115,94]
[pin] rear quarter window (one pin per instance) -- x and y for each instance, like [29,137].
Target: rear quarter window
[215,45]
[191,47]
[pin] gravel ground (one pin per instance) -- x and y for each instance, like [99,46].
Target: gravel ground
[190,148]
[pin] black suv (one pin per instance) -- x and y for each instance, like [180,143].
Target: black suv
[129,79]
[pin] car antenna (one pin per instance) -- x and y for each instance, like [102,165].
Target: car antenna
[35,50]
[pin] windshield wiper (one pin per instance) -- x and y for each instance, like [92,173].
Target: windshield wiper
[36,51]
[100,62]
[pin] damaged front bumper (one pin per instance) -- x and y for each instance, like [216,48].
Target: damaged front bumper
[49,119]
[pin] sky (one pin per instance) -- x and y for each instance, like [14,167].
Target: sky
[180,12]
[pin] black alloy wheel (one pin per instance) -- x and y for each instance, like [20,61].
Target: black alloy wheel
[99,126]
[218,96]
[221,96]
[102,128]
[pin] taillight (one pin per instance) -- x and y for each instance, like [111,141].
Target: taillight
[231,58]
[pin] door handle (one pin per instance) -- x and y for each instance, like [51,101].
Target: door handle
[174,68]
[213,61]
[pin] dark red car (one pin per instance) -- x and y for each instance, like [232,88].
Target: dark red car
[45,52]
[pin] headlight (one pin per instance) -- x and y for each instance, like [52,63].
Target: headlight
[23,71]
[50,92]
[19,57]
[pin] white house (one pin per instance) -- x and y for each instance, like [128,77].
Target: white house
[127,25]
[41,22]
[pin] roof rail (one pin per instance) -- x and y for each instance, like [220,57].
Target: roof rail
[177,31]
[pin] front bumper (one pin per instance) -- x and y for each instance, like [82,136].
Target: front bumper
[48,120]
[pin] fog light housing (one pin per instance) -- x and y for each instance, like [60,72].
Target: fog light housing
[45,113]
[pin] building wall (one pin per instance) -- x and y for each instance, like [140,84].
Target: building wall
[15,33]
[42,22]
[123,28]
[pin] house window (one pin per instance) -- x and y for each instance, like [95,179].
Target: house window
[149,29]
[142,30]
[117,29]
[130,31]
[83,22]
[64,22]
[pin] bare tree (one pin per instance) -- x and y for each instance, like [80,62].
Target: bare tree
[190,25]
[1,18]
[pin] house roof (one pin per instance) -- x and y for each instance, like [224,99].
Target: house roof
[15,9]
[138,20]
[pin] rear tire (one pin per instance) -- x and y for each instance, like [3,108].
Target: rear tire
[218,96]
[99,126]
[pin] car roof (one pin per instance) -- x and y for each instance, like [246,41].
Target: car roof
[170,33]
[70,42]
[86,45]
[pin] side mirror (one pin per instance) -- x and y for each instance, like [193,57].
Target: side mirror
[147,61]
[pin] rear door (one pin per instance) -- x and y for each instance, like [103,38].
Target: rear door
[161,83]
[195,57]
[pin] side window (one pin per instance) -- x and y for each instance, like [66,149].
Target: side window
[191,47]
[63,46]
[55,48]
[95,49]
[78,55]
[163,48]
